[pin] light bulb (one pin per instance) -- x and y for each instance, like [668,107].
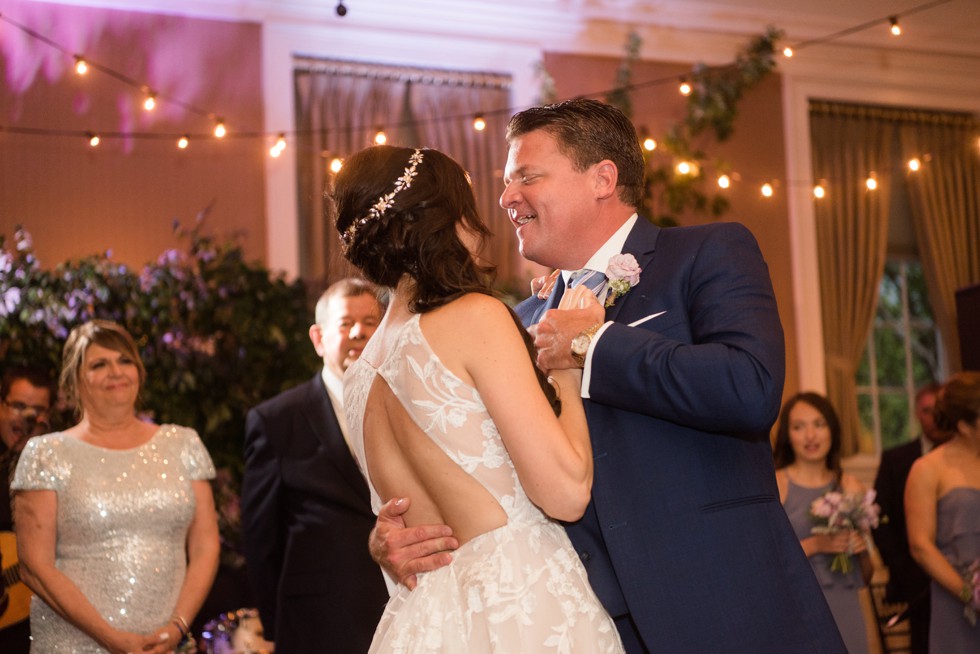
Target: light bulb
[787,52]
[896,29]
[182,142]
[93,139]
[336,164]
[150,102]
[871,183]
[649,144]
[915,164]
[380,138]
[685,88]
[767,190]
[219,129]
[81,67]
[819,191]
[479,124]
[724,181]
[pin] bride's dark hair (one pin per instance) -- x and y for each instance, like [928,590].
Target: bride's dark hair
[417,231]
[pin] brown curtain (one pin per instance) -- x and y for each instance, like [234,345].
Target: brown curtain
[945,196]
[852,239]
[339,107]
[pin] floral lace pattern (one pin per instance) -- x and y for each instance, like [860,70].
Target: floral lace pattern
[518,588]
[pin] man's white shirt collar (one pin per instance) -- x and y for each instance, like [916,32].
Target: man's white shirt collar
[600,260]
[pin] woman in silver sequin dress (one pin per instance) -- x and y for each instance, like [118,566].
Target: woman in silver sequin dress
[115,519]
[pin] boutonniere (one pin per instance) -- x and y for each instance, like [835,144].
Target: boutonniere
[623,274]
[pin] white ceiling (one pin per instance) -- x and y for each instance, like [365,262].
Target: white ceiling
[947,27]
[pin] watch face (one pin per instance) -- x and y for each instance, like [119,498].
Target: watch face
[580,344]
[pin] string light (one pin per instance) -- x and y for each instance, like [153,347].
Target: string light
[767,190]
[724,181]
[871,183]
[896,29]
[93,139]
[81,67]
[787,52]
[687,168]
[649,144]
[182,142]
[380,138]
[819,192]
[685,87]
[150,102]
[280,145]
[914,164]
[479,124]
[336,164]
[219,128]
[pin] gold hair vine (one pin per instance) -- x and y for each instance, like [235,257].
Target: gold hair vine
[384,203]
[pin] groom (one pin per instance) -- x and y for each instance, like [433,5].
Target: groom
[685,540]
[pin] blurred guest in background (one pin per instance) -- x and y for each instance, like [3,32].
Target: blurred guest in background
[807,455]
[942,509]
[306,511]
[907,582]
[115,520]
[26,395]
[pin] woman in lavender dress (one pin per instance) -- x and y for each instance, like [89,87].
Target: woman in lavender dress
[807,456]
[942,510]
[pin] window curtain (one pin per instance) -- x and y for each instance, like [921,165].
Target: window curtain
[852,239]
[945,196]
[340,106]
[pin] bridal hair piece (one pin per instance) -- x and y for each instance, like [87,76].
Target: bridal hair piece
[384,203]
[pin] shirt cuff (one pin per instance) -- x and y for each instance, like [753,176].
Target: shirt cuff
[587,368]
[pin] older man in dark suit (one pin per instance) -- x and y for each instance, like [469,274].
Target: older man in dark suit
[306,510]
[907,581]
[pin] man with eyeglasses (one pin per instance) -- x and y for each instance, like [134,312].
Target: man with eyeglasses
[25,402]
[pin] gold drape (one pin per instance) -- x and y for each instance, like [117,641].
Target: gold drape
[946,216]
[852,239]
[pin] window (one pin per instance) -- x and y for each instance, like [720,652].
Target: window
[902,354]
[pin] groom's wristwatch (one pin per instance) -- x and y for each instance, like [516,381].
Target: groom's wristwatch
[581,342]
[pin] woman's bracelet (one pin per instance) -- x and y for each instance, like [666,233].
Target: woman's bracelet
[182,627]
[966,593]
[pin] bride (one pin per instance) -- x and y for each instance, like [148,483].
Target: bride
[446,406]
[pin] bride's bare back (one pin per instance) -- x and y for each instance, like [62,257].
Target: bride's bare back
[455,412]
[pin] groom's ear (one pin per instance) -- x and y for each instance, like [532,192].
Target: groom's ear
[605,177]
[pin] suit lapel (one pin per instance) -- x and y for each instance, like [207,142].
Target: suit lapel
[323,423]
[641,243]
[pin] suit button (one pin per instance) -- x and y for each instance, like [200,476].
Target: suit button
[585,556]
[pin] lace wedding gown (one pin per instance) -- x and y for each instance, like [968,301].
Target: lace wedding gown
[517,588]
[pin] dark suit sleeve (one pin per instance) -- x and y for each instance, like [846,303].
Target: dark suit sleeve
[262,520]
[890,536]
[719,363]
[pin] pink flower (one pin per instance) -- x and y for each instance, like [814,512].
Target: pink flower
[625,267]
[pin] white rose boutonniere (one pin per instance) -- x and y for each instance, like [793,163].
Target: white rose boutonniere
[623,274]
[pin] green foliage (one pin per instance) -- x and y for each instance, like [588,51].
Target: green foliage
[712,108]
[217,334]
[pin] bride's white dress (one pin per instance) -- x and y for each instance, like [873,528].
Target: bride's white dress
[518,588]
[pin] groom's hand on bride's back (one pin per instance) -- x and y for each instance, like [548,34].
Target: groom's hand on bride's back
[406,551]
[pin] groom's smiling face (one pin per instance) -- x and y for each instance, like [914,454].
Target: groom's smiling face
[549,202]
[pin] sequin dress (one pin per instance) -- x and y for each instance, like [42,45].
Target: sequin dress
[517,588]
[123,517]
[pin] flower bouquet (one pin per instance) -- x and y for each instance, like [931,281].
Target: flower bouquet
[971,593]
[834,512]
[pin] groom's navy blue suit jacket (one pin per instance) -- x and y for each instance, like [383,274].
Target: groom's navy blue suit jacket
[685,530]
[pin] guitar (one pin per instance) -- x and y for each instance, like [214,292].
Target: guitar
[19,607]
